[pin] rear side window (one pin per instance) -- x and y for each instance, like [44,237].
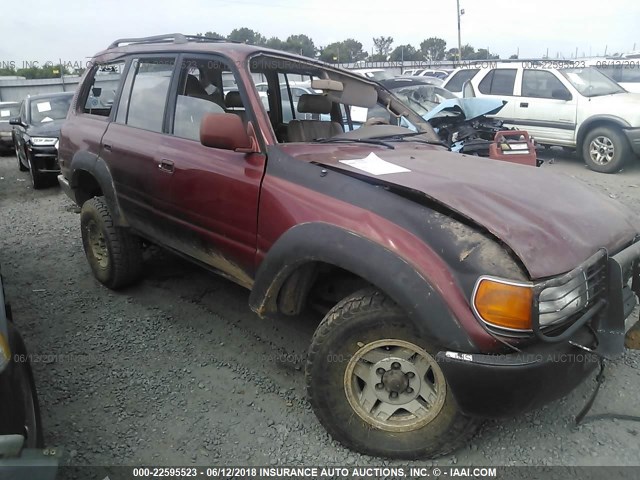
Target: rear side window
[498,82]
[104,85]
[458,79]
[541,84]
[148,96]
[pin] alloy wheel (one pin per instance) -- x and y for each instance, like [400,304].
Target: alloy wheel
[394,385]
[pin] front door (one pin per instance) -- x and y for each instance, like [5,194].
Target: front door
[209,196]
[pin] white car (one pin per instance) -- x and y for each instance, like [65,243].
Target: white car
[568,104]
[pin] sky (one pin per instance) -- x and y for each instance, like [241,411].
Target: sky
[74,30]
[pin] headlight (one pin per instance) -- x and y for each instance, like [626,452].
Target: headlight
[559,303]
[44,141]
[509,305]
[5,352]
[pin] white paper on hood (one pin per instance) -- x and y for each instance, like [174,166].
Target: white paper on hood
[43,106]
[5,113]
[374,165]
[46,119]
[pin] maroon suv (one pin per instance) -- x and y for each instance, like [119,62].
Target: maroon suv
[452,287]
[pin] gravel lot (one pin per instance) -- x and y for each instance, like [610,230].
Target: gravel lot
[177,370]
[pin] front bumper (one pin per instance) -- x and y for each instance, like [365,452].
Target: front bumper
[633,135]
[494,386]
[44,158]
[504,385]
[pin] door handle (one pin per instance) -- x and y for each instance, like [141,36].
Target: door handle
[166,165]
[106,146]
[524,105]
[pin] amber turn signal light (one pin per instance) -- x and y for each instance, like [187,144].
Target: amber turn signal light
[504,305]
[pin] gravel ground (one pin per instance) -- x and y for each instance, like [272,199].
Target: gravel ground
[177,370]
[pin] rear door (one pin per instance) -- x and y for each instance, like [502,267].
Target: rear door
[131,145]
[498,83]
[85,126]
[546,107]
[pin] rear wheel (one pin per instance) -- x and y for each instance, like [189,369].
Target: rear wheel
[114,253]
[605,149]
[375,385]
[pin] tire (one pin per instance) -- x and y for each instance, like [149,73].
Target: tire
[21,167]
[38,179]
[20,408]
[114,253]
[359,328]
[605,150]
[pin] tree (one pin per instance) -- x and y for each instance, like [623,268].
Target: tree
[8,70]
[300,44]
[484,54]
[513,57]
[468,53]
[382,46]
[405,52]
[434,48]
[246,35]
[46,71]
[275,43]
[212,35]
[347,51]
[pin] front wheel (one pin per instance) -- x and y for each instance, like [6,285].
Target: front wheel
[21,167]
[38,179]
[606,150]
[375,385]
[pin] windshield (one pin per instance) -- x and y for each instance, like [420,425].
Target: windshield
[49,109]
[8,111]
[590,82]
[422,98]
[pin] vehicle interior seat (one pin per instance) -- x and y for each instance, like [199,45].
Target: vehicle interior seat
[309,130]
[233,104]
[193,88]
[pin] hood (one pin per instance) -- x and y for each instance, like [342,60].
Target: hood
[46,129]
[467,108]
[551,221]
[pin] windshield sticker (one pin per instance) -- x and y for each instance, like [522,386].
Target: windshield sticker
[46,119]
[43,107]
[5,113]
[374,165]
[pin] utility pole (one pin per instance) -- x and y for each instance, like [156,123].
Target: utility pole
[460,12]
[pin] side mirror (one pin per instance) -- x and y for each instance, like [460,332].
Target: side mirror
[16,121]
[225,131]
[561,94]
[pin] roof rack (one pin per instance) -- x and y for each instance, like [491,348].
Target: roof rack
[168,38]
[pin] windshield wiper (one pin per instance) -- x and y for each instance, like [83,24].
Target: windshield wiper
[355,140]
[401,136]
